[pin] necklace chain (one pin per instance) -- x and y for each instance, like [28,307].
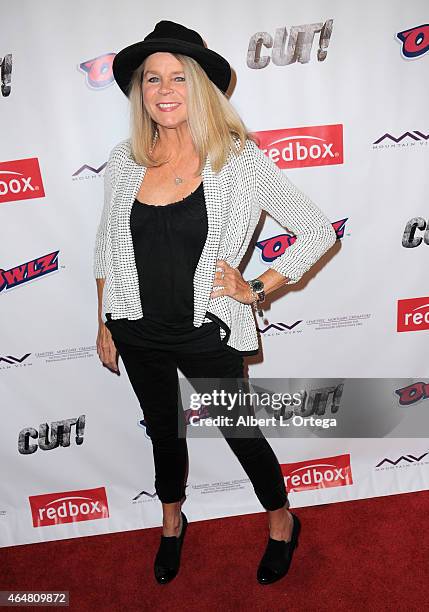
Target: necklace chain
[177,179]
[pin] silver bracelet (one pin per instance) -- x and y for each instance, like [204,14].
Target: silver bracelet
[255,304]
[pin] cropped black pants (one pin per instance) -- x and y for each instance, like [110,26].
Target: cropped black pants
[153,376]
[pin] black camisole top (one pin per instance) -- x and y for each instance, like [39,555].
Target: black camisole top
[168,241]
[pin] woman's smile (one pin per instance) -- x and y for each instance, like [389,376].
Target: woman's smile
[166,107]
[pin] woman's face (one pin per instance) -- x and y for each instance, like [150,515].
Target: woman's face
[163,83]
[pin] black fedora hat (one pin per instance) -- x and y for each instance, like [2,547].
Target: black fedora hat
[173,38]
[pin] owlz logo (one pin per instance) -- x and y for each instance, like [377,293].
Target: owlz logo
[273,247]
[20,179]
[413,393]
[28,271]
[69,507]
[319,145]
[318,473]
[415,42]
[98,71]
[142,423]
[196,413]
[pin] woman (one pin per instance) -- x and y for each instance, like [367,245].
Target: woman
[183,196]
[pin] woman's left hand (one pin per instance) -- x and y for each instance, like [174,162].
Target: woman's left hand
[232,282]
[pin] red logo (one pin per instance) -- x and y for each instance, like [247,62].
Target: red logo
[320,145]
[318,473]
[99,70]
[29,270]
[69,507]
[20,179]
[413,314]
[415,42]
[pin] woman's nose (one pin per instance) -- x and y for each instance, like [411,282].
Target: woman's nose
[164,87]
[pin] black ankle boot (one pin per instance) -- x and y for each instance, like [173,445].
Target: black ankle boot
[167,560]
[277,557]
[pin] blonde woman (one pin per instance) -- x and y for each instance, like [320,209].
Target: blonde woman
[183,196]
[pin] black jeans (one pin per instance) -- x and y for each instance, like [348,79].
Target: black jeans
[153,376]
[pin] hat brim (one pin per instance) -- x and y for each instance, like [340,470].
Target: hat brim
[130,58]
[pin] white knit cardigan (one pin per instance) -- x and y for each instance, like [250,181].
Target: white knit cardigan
[234,198]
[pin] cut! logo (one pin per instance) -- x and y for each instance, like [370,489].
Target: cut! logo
[69,507]
[318,473]
[320,145]
[413,314]
[20,179]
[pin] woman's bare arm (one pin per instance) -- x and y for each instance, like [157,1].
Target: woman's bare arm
[100,286]
[106,348]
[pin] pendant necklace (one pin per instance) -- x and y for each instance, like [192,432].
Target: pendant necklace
[177,179]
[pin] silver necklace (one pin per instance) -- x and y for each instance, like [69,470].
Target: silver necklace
[177,179]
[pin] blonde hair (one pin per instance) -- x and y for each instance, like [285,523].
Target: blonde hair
[215,126]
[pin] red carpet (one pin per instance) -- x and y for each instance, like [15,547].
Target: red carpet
[370,554]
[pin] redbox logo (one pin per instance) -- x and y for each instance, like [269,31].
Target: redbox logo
[318,473]
[320,145]
[20,179]
[69,507]
[413,314]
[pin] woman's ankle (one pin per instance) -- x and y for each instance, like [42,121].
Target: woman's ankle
[279,529]
[172,525]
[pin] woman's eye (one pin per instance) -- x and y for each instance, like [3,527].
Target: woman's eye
[150,80]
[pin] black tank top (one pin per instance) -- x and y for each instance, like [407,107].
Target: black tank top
[168,241]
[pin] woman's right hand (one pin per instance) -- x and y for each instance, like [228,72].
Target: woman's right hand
[106,348]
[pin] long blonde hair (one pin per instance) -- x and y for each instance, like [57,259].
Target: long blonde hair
[215,126]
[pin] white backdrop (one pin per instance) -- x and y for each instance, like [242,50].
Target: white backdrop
[61,114]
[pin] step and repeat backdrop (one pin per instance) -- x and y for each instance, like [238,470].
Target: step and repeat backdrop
[337,92]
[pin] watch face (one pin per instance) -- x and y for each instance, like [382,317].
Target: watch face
[257,285]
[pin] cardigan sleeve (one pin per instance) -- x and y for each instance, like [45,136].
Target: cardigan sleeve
[296,212]
[99,263]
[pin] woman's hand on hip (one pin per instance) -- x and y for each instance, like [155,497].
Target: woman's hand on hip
[231,282]
[106,348]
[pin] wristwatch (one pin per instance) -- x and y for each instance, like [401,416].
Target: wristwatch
[257,286]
